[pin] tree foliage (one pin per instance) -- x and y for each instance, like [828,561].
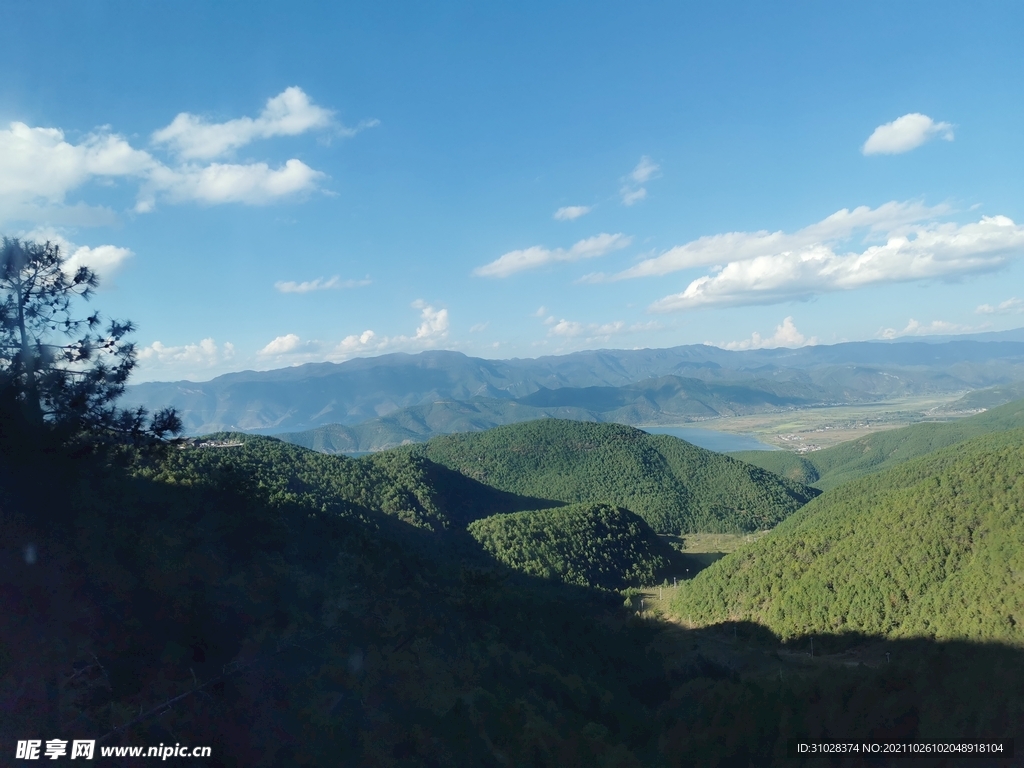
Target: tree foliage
[590,545]
[410,488]
[673,485]
[933,547]
[65,369]
[207,597]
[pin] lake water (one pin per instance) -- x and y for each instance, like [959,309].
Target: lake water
[722,442]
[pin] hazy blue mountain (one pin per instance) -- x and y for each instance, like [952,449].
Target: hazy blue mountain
[418,423]
[664,400]
[355,391]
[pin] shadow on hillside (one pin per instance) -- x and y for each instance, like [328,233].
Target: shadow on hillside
[854,688]
[465,499]
[686,565]
[288,636]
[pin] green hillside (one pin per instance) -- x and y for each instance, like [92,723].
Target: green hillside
[591,545]
[201,598]
[932,548]
[411,488]
[206,596]
[990,397]
[674,486]
[831,467]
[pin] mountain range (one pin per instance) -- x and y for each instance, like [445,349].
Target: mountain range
[668,386]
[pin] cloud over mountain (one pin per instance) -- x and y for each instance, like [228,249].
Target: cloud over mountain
[922,252]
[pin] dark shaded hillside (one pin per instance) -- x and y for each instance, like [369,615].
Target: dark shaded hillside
[226,608]
[197,610]
[590,545]
[673,485]
[933,547]
[831,467]
[412,488]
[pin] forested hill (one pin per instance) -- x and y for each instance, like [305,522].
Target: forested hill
[411,488]
[270,603]
[225,597]
[831,467]
[591,545]
[673,485]
[933,547]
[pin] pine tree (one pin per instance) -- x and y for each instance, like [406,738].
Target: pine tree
[64,370]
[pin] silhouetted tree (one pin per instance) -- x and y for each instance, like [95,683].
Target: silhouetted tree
[66,371]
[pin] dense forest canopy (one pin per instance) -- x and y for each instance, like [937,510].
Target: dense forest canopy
[590,545]
[673,485]
[930,548]
[289,607]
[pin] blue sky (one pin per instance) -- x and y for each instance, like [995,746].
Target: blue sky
[266,184]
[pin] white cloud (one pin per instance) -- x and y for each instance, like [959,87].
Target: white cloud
[290,113]
[104,260]
[362,342]
[595,331]
[435,322]
[629,197]
[38,164]
[571,212]
[644,171]
[541,311]
[1011,306]
[735,246]
[632,191]
[922,252]
[914,328]
[39,167]
[289,344]
[432,330]
[478,327]
[786,335]
[319,284]
[539,256]
[904,134]
[217,183]
[205,354]
[566,328]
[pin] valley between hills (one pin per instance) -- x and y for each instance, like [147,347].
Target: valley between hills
[550,591]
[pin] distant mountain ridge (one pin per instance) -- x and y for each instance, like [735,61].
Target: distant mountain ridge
[666,400]
[316,394]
